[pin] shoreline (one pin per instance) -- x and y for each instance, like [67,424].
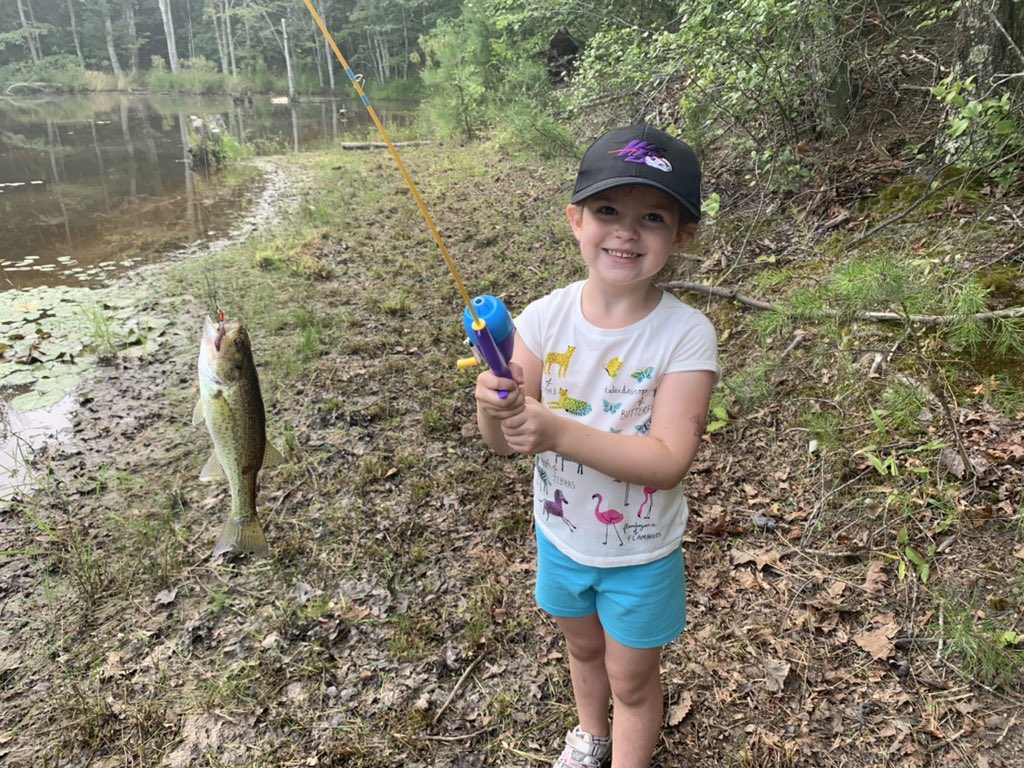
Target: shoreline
[30,430]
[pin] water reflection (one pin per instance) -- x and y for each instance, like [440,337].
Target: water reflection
[93,185]
[21,434]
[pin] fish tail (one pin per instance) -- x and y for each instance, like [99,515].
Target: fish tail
[244,536]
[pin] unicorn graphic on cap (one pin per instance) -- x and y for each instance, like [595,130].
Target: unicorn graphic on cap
[639,151]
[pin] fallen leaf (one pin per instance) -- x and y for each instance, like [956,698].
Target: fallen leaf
[836,589]
[303,592]
[876,578]
[878,642]
[678,711]
[761,558]
[166,597]
[270,641]
[776,673]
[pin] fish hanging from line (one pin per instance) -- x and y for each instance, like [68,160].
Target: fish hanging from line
[231,406]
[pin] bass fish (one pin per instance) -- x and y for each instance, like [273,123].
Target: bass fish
[231,406]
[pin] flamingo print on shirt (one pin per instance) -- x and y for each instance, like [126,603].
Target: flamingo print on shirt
[648,494]
[610,517]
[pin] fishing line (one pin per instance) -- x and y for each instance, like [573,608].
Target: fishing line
[398,160]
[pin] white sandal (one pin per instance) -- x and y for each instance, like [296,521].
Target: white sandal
[584,751]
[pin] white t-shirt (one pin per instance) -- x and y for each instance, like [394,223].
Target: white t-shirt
[607,378]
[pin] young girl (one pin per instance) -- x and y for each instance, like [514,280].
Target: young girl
[612,379]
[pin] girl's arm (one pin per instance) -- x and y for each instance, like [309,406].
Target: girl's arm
[660,459]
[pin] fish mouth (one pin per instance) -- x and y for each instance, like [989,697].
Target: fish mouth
[221,329]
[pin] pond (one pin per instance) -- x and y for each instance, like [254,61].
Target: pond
[92,186]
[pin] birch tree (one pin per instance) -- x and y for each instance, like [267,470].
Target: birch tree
[287,61]
[128,7]
[74,32]
[172,46]
[29,34]
[108,30]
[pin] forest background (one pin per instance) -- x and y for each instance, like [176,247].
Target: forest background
[857,544]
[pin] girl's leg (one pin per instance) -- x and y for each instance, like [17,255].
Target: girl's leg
[585,639]
[635,678]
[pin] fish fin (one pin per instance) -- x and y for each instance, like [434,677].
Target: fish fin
[246,538]
[212,469]
[198,413]
[271,456]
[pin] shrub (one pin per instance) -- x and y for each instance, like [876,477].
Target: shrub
[982,133]
[58,73]
[198,75]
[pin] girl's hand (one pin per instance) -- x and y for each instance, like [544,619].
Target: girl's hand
[490,403]
[532,430]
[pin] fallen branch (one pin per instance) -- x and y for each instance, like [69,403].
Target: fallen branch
[380,144]
[36,86]
[930,190]
[722,293]
[447,739]
[876,317]
[458,685]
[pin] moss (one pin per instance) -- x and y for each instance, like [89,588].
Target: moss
[900,195]
[1004,284]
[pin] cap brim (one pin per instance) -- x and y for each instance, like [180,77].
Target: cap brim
[624,181]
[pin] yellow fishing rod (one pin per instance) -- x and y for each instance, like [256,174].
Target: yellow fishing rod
[479,310]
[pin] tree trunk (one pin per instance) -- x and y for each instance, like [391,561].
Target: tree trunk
[989,34]
[317,54]
[108,28]
[133,37]
[229,34]
[288,62]
[191,34]
[172,46]
[406,54]
[330,62]
[328,53]
[34,27]
[74,32]
[218,32]
[30,38]
[378,55]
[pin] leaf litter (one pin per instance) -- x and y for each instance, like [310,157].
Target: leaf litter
[395,623]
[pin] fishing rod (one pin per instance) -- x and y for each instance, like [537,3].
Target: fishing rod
[494,342]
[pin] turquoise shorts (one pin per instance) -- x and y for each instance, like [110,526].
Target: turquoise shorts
[640,606]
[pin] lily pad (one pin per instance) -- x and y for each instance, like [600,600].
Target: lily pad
[35,400]
[14,377]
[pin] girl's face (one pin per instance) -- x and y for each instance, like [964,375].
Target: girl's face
[626,234]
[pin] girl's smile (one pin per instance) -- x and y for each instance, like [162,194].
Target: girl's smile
[622,254]
[626,234]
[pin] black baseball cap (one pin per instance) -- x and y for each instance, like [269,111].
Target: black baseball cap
[640,154]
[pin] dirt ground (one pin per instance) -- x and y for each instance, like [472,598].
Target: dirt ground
[394,624]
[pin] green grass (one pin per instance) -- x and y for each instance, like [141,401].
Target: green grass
[103,338]
[978,645]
